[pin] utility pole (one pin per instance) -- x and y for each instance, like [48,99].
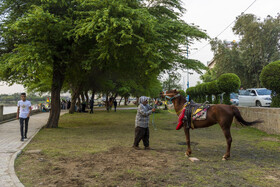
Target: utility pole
[188,73]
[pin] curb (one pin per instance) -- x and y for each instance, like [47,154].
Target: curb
[11,167]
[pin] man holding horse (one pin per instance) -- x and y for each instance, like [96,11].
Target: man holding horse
[142,123]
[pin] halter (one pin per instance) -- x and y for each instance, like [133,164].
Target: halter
[171,98]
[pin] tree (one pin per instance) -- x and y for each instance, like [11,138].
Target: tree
[209,76]
[44,40]
[37,44]
[270,78]
[172,34]
[258,46]
[259,43]
[227,59]
[228,83]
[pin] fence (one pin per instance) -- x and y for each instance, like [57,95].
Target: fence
[12,116]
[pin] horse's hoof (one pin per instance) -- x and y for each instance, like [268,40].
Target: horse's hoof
[225,158]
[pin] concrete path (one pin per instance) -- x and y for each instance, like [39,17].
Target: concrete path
[11,146]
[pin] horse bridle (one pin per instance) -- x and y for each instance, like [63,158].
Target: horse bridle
[170,98]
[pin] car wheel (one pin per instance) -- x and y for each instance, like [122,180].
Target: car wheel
[258,103]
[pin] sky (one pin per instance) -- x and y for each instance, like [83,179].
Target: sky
[210,15]
[214,16]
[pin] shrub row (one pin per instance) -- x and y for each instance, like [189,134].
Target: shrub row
[226,84]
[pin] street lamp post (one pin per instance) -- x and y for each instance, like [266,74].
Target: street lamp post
[188,73]
[188,83]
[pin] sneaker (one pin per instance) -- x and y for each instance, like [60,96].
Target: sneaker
[22,139]
[136,147]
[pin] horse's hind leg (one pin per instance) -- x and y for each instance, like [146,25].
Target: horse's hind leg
[187,133]
[227,134]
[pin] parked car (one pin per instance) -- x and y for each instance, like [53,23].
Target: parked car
[234,99]
[254,97]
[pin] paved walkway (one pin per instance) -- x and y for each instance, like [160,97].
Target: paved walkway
[11,146]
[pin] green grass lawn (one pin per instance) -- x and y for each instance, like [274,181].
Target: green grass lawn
[95,150]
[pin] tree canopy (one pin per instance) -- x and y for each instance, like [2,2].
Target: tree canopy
[258,46]
[116,46]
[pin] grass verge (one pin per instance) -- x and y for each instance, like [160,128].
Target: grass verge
[95,150]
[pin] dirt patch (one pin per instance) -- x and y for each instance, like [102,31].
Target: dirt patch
[119,166]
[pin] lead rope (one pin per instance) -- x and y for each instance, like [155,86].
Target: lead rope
[153,118]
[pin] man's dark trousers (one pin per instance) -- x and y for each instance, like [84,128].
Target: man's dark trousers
[141,134]
[23,121]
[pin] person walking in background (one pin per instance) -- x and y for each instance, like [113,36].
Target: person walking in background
[91,103]
[23,114]
[115,105]
[142,123]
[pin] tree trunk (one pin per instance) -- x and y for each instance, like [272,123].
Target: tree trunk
[73,103]
[107,102]
[79,102]
[120,101]
[83,97]
[75,94]
[57,82]
[87,98]
[92,96]
[125,101]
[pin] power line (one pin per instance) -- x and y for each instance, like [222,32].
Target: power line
[224,29]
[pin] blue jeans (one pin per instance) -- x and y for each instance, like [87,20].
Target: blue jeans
[23,121]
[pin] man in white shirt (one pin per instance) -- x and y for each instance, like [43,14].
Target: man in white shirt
[23,114]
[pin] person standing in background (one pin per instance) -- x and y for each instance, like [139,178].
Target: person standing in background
[91,104]
[23,114]
[115,105]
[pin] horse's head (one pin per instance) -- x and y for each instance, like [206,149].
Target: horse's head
[170,95]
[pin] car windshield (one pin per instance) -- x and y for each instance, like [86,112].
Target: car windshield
[234,96]
[264,92]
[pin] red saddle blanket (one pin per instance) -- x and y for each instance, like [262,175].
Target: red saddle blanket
[180,119]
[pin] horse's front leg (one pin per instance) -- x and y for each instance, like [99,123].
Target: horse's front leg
[187,133]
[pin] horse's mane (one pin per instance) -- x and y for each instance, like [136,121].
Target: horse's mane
[182,99]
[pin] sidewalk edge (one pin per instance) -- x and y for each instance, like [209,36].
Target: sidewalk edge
[11,169]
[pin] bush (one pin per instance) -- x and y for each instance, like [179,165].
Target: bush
[228,82]
[189,92]
[182,93]
[270,78]
[214,89]
[226,99]
[199,93]
[203,91]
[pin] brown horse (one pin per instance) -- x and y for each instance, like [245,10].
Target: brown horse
[219,113]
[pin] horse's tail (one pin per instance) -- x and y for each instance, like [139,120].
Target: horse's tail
[240,119]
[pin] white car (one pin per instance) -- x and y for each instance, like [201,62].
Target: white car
[255,97]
